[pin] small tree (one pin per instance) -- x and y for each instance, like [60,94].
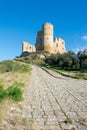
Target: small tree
[82,55]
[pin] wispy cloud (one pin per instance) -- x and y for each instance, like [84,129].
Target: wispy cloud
[79,49]
[76,50]
[84,37]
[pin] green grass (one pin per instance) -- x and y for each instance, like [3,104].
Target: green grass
[11,66]
[2,92]
[30,59]
[79,75]
[74,74]
[13,92]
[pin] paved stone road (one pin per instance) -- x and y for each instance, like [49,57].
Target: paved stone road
[52,98]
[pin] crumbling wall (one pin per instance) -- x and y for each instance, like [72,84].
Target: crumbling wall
[26,47]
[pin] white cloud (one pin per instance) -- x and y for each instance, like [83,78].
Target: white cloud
[84,37]
[76,50]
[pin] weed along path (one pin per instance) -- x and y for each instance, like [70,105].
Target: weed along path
[55,102]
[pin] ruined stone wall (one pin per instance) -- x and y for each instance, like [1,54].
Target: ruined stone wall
[26,47]
[59,45]
[39,41]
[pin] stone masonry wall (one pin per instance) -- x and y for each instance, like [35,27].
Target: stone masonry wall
[26,47]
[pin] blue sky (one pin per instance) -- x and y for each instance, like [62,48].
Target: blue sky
[21,19]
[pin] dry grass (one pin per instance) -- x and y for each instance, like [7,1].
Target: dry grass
[6,105]
[9,78]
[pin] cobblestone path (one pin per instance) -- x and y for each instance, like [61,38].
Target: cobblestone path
[52,98]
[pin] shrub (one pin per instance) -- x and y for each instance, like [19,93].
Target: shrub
[13,92]
[82,55]
[2,92]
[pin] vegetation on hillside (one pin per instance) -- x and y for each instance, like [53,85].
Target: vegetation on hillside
[82,55]
[69,64]
[36,57]
[12,66]
[68,61]
[14,78]
[13,90]
[30,59]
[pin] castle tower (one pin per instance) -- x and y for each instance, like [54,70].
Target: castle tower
[44,39]
[48,36]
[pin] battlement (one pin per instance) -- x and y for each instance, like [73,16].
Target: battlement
[58,39]
[47,24]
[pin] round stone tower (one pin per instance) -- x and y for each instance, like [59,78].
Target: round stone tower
[44,40]
[47,36]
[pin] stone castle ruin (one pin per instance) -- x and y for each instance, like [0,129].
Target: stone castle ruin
[26,47]
[45,41]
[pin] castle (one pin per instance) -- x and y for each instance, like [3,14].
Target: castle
[45,41]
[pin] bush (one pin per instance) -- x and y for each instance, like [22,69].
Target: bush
[82,55]
[2,92]
[13,92]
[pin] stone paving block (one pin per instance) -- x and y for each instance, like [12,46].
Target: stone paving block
[55,128]
[52,119]
[39,123]
[61,118]
[80,127]
[52,123]
[68,126]
[72,115]
[49,112]
[59,113]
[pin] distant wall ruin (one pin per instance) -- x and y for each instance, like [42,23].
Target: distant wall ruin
[26,47]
